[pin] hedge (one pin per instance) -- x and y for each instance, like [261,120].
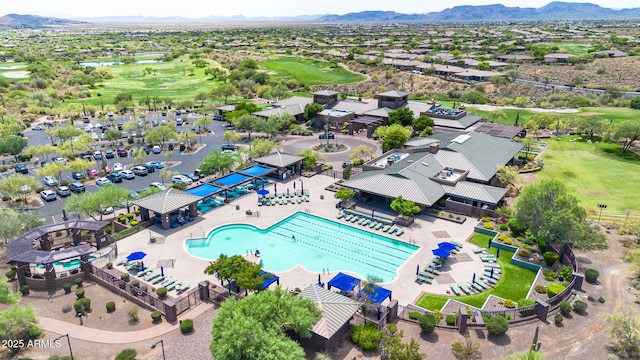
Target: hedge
[558,318]
[156,316]
[554,289]
[591,275]
[186,326]
[451,320]
[366,336]
[127,354]
[550,257]
[162,292]
[78,281]
[80,293]
[427,323]
[579,306]
[66,287]
[565,308]
[111,306]
[497,325]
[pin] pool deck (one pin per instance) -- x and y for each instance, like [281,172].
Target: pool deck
[426,232]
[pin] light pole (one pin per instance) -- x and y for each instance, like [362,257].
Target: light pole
[68,341]
[161,345]
[601,206]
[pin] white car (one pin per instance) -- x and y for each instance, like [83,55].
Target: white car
[127,174]
[158,185]
[50,181]
[117,167]
[94,136]
[103,182]
[60,160]
[133,133]
[181,179]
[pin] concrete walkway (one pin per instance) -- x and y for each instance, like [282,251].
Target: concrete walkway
[79,332]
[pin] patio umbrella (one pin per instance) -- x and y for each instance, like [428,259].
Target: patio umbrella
[294,185]
[372,212]
[142,266]
[161,271]
[417,269]
[138,255]
[491,274]
[440,252]
[498,253]
[262,192]
[446,245]
[287,191]
[302,186]
[474,278]
[275,188]
[319,280]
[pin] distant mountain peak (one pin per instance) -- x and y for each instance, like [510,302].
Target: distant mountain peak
[17,21]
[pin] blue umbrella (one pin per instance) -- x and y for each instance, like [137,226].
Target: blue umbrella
[275,188]
[136,255]
[319,281]
[417,269]
[262,192]
[446,245]
[440,252]
[302,186]
[142,266]
[474,278]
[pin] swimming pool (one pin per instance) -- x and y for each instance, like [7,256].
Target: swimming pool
[311,241]
[67,265]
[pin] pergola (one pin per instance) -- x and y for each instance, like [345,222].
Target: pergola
[166,202]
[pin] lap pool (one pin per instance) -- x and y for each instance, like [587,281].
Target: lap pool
[311,241]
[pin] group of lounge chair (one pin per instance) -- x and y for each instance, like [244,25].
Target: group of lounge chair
[373,224]
[154,277]
[296,197]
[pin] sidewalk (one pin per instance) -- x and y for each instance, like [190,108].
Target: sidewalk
[79,332]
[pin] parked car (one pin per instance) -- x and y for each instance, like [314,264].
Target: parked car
[63,191]
[92,172]
[94,136]
[328,135]
[117,167]
[119,125]
[48,195]
[77,175]
[156,149]
[146,150]
[150,168]
[107,210]
[158,185]
[140,170]
[50,181]
[114,178]
[124,135]
[109,154]
[97,154]
[181,179]
[192,176]
[38,128]
[21,169]
[77,187]
[127,174]
[85,119]
[179,122]
[155,164]
[105,181]
[218,118]
[60,160]
[178,112]
[122,152]
[229,147]
[155,123]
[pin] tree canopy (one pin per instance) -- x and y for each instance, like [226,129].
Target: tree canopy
[405,208]
[625,133]
[13,144]
[218,162]
[15,223]
[402,116]
[344,194]
[255,327]
[553,214]
[395,136]
[312,110]
[94,204]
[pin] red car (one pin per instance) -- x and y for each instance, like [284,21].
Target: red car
[92,172]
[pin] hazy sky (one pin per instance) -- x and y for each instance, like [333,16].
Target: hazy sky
[203,8]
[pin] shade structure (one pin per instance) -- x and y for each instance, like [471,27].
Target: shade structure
[138,255]
[446,245]
[343,282]
[375,293]
[275,188]
[269,279]
[440,252]
[262,192]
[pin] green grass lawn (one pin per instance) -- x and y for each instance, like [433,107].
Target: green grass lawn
[169,79]
[308,71]
[11,67]
[576,48]
[596,173]
[608,113]
[514,283]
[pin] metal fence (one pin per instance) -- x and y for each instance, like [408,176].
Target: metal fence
[187,301]
[137,294]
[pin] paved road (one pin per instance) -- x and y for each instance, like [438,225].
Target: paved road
[571,88]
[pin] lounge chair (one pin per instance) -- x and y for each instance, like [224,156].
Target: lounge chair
[373,224]
[144,272]
[481,284]
[299,200]
[152,276]
[477,286]
[426,274]
[306,198]
[168,282]
[492,265]
[488,274]
[172,286]
[365,222]
[455,289]
[158,279]
[432,270]
[354,218]
[465,289]
[378,226]
[422,279]
[488,280]
[386,228]
[399,231]
[182,288]
[457,244]
[340,215]
[348,217]
[479,250]
[122,261]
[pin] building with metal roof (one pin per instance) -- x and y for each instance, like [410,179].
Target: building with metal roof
[287,164]
[164,203]
[459,165]
[336,309]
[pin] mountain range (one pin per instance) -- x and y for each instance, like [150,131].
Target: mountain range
[552,11]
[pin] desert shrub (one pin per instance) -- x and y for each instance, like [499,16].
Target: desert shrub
[366,336]
[485,219]
[24,289]
[127,354]
[523,253]
[515,228]
[111,306]
[554,289]
[124,277]
[66,308]
[529,248]
[601,300]
[523,303]
[86,305]
[130,216]
[565,308]
[549,275]
[133,222]
[541,289]
[427,323]
[78,281]
[579,306]
[156,316]
[186,326]
[507,242]
[487,225]
[133,313]
[11,275]
[527,241]
[161,292]
[503,227]
[109,265]
[414,315]
[451,320]
[78,307]
[503,237]
[542,246]
[66,287]
[591,275]
[497,325]
[550,258]
[108,229]
[509,304]
[135,283]
[558,318]
[80,293]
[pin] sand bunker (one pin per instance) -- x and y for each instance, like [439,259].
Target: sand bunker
[15,74]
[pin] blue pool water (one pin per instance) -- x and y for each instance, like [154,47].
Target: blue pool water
[318,244]
[67,265]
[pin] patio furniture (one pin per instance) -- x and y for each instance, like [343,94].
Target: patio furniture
[306,197]
[386,228]
[152,276]
[372,224]
[299,200]
[455,289]
[422,279]
[426,274]
[122,261]
[354,219]
[481,284]
[465,289]
[182,288]
[168,282]
[489,280]
[348,217]
[144,272]
[492,265]
[158,279]
[477,286]
[457,244]
[479,250]
[172,286]
[432,270]
[378,226]
[340,215]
